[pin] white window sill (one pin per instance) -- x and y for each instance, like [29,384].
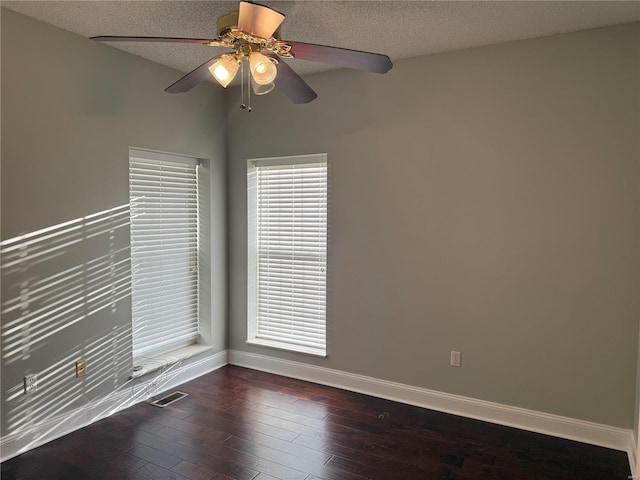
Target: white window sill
[316,352]
[164,359]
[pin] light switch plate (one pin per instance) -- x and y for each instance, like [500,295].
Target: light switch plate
[81,368]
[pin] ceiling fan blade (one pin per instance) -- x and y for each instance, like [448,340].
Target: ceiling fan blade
[292,85]
[152,39]
[342,57]
[258,20]
[192,78]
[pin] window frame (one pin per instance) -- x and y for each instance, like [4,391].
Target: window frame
[252,251]
[187,347]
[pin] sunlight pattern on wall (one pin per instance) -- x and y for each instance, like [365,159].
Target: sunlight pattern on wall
[65,296]
[44,292]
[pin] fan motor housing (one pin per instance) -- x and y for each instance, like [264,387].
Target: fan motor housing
[229,22]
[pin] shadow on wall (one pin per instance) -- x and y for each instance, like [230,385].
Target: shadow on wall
[65,297]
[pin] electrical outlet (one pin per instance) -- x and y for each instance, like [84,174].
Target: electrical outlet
[81,368]
[30,383]
[455,358]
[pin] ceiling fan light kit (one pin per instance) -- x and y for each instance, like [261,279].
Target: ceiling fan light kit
[261,89]
[253,35]
[263,69]
[224,69]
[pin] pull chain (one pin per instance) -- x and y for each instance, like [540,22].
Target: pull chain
[249,88]
[242,105]
[242,79]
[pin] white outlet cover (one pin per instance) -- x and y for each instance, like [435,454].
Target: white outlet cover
[30,383]
[455,358]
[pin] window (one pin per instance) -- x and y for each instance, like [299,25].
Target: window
[287,228]
[163,191]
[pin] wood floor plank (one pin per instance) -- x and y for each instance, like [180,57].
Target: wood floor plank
[240,424]
[225,422]
[287,413]
[299,451]
[258,464]
[216,466]
[151,455]
[264,476]
[196,472]
[155,472]
[311,465]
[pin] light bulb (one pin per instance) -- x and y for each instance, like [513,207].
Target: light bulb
[224,69]
[263,70]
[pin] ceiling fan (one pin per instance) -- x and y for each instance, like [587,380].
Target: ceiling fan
[253,35]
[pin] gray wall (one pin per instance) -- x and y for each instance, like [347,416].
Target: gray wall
[71,108]
[484,201]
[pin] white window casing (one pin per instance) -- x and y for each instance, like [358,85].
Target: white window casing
[287,248]
[164,251]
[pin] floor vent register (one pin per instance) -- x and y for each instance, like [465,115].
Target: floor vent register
[169,399]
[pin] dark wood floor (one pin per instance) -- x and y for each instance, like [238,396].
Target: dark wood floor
[243,424]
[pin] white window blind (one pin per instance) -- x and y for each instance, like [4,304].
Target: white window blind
[291,247]
[164,252]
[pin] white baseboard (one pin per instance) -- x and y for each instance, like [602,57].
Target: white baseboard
[633,457]
[531,420]
[130,394]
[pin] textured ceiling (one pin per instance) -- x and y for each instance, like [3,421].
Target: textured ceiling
[399,29]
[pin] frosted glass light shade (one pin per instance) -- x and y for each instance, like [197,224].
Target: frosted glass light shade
[261,89]
[224,69]
[263,70]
